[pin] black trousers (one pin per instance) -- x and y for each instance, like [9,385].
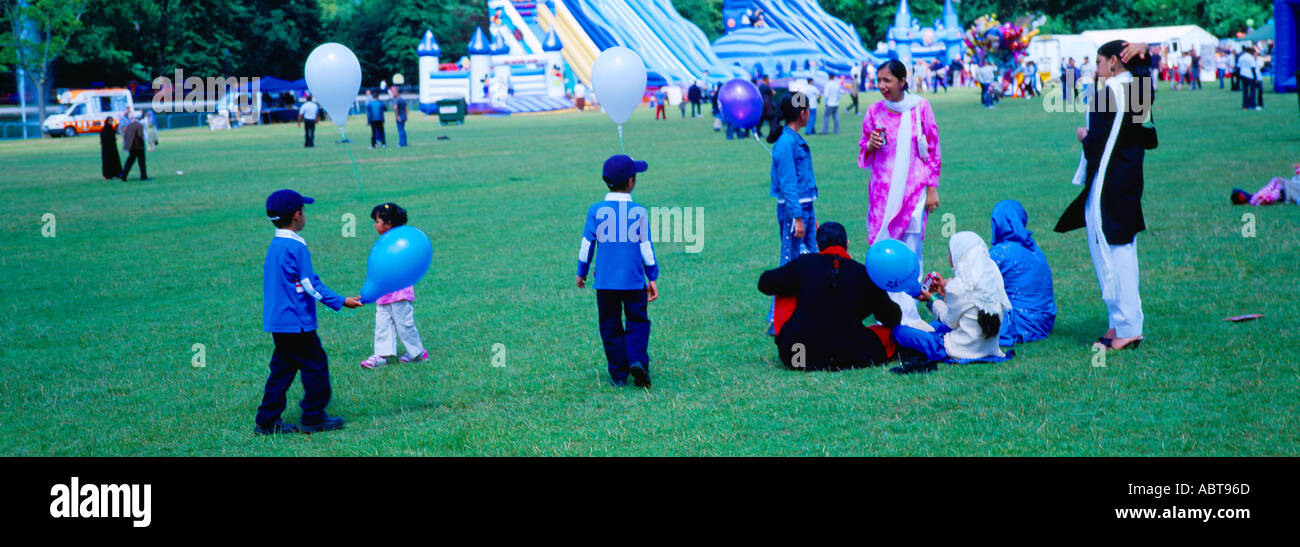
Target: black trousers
[377,134]
[135,154]
[294,352]
[624,344]
[309,128]
[1247,94]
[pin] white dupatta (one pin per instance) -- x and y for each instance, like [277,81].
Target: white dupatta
[909,129]
[1092,209]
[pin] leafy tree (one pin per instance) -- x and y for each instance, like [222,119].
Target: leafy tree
[706,14]
[38,32]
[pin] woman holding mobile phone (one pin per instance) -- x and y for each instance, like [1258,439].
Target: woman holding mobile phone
[900,145]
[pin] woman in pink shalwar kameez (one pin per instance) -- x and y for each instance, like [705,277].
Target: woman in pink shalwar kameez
[900,145]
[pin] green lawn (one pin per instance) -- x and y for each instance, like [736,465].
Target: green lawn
[101,320]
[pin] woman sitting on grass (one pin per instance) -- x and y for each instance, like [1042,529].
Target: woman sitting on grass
[969,308]
[1025,275]
[822,300]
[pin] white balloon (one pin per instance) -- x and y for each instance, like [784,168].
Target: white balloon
[334,78]
[618,77]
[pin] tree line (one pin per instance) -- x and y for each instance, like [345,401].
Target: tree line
[112,42]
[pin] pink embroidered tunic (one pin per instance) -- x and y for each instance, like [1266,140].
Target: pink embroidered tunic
[399,295]
[921,172]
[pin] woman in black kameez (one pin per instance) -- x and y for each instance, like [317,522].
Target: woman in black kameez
[1111,173]
[112,163]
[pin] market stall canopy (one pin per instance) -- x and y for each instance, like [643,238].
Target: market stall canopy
[1266,32]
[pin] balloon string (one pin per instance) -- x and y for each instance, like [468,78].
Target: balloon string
[355,172]
[620,140]
[761,143]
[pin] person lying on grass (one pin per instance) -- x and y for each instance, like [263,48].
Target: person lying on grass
[969,308]
[822,300]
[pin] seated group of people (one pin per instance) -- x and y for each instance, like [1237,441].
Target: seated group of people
[995,299]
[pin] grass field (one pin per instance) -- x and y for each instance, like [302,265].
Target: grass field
[102,319]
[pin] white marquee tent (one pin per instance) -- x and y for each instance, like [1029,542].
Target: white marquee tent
[1179,38]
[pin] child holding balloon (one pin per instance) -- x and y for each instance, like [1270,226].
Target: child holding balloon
[394,314]
[793,183]
[626,271]
[290,290]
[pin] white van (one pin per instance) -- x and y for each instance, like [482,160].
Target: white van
[1050,52]
[86,111]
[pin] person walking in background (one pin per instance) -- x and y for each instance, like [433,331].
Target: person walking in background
[1032,79]
[986,76]
[693,94]
[1257,78]
[1222,68]
[133,142]
[1088,73]
[834,88]
[307,114]
[769,106]
[810,90]
[1194,71]
[677,96]
[1246,73]
[375,115]
[939,75]
[112,163]
[150,130]
[660,99]
[579,96]
[853,94]
[399,112]
[1070,81]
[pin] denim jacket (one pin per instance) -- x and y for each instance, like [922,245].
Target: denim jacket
[793,183]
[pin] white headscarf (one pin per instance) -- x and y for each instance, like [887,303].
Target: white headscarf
[975,276]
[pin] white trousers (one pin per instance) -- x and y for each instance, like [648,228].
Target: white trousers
[1124,312]
[393,321]
[907,304]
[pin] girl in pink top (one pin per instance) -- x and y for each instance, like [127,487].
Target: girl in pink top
[900,145]
[394,314]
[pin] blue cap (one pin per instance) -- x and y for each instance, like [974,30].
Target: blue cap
[285,202]
[620,168]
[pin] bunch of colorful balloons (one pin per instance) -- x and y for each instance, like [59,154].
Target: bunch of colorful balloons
[1002,43]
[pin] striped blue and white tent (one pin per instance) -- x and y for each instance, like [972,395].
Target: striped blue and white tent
[767,47]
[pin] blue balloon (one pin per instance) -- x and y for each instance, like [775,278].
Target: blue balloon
[893,267]
[398,260]
[741,104]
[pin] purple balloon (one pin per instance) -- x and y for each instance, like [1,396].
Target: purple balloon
[741,104]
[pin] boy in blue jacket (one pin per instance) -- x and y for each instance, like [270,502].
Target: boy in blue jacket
[290,289]
[626,272]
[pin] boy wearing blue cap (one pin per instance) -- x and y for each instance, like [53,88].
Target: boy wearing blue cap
[290,288]
[626,272]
